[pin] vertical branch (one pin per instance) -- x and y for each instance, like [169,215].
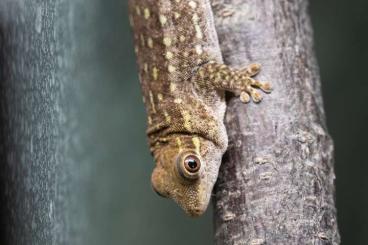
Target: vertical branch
[276,181]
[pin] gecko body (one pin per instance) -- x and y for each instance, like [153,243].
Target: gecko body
[183,82]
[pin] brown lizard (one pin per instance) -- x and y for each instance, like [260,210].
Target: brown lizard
[183,81]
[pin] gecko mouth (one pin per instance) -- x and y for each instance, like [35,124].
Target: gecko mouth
[196,212]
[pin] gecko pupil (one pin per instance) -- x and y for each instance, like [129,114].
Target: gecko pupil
[192,163]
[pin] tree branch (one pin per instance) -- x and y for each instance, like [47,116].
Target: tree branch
[276,180]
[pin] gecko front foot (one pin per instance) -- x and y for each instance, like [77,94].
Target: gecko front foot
[248,86]
[240,82]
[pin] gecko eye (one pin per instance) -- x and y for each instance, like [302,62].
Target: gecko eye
[189,166]
[192,164]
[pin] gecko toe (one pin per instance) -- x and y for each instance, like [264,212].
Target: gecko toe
[256,96]
[253,69]
[244,97]
[266,87]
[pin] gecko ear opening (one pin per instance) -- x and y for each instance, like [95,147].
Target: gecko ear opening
[157,183]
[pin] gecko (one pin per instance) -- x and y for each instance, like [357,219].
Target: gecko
[183,80]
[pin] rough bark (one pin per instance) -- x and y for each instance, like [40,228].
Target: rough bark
[276,183]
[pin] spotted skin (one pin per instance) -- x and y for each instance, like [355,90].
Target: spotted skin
[183,83]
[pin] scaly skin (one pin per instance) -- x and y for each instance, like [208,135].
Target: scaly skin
[183,82]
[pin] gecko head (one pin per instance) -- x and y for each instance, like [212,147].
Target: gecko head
[186,171]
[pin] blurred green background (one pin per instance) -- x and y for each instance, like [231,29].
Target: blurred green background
[341,42]
[107,193]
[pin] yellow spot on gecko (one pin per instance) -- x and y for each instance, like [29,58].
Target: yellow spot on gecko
[152,102]
[199,33]
[167,41]
[150,42]
[163,19]
[155,73]
[171,68]
[178,142]
[145,67]
[182,38]
[193,4]
[197,28]
[178,101]
[167,117]
[187,122]
[172,87]
[197,144]
[137,10]
[149,120]
[176,15]
[201,73]
[199,49]
[147,13]
[160,97]
[169,55]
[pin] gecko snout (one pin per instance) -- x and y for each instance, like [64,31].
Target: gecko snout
[196,212]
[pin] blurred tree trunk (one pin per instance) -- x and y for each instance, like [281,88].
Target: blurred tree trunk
[276,184]
[38,177]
